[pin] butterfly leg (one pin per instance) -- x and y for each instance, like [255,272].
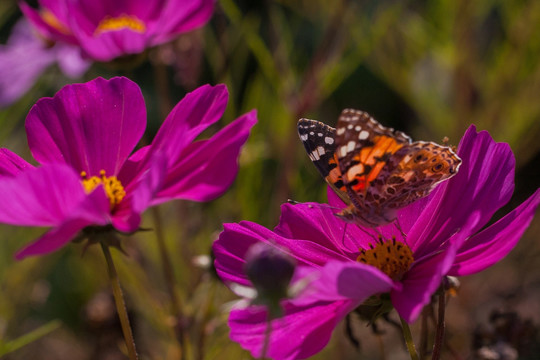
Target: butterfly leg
[375,237]
[343,236]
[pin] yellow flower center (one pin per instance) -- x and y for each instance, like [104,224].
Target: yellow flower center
[112,186]
[50,19]
[119,23]
[392,257]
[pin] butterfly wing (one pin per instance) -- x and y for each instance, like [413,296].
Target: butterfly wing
[423,166]
[320,144]
[373,168]
[364,147]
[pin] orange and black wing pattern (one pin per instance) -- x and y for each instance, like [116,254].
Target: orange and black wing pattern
[320,144]
[365,148]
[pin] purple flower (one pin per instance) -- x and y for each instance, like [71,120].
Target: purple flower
[25,57]
[83,138]
[107,29]
[444,236]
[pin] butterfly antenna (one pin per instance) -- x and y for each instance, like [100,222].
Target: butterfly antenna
[398,226]
[323,206]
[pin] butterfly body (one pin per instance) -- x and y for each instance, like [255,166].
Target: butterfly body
[374,169]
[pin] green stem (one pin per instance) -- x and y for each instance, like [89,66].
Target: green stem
[267,335]
[408,339]
[120,304]
[439,336]
[169,280]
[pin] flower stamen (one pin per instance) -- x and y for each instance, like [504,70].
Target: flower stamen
[120,23]
[112,186]
[390,256]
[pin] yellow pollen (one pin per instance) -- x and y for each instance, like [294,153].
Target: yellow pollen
[50,19]
[119,23]
[392,257]
[112,186]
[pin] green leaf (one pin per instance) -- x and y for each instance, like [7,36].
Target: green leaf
[11,346]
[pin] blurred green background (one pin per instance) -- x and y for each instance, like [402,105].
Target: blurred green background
[428,68]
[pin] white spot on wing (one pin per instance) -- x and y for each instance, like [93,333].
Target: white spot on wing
[329,140]
[363,135]
[343,151]
[304,137]
[340,131]
[321,150]
[350,146]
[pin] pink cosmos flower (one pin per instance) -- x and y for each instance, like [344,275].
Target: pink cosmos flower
[106,29]
[83,138]
[444,236]
[25,57]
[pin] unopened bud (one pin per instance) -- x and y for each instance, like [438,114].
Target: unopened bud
[270,271]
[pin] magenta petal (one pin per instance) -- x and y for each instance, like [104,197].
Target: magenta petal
[57,8]
[53,239]
[110,45]
[87,16]
[70,60]
[22,61]
[317,223]
[150,183]
[484,183]
[193,114]
[46,30]
[207,168]
[302,332]
[141,192]
[92,126]
[346,280]
[492,244]
[11,164]
[42,196]
[420,283]
[92,211]
[426,274]
[134,166]
[126,220]
[180,16]
[235,240]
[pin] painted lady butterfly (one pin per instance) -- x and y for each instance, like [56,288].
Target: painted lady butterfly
[374,169]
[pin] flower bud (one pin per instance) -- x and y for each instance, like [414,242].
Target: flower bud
[270,271]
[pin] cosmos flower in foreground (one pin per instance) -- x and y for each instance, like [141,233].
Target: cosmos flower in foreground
[25,57]
[83,138]
[444,236]
[106,29]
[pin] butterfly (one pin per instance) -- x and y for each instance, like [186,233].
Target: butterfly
[375,170]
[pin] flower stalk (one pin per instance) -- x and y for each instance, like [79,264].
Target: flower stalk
[408,339]
[267,334]
[439,335]
[120,303]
